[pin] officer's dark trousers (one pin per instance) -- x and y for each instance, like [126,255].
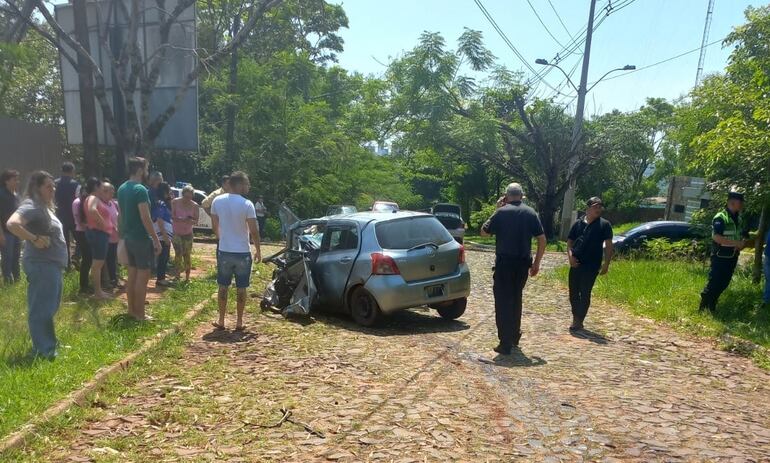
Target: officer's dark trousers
[509,280]
[720,274]
[581,283]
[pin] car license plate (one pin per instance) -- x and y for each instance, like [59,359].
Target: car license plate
[434,291]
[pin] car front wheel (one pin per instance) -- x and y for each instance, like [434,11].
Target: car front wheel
[454,310]
[364,308]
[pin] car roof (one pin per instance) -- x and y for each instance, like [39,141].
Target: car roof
[369,216]
[664,223]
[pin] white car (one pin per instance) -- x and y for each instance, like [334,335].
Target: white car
[204,220]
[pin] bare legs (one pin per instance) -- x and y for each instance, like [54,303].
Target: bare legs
[240,306]
[96,279]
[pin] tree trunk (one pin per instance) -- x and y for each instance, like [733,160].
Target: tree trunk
[232,106]
[548,208]
[91,166]
[758,248]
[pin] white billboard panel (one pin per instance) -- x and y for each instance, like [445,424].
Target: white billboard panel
[106,17]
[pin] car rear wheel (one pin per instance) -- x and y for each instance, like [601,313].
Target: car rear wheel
[364,308]
[454,310]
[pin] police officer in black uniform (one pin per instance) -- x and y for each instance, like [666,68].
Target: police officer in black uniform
[514,225]
[729,237]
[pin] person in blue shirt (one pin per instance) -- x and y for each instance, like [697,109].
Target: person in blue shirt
[162,220]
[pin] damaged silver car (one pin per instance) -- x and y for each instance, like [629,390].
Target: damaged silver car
[369,265]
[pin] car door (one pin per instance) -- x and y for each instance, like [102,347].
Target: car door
[339,250]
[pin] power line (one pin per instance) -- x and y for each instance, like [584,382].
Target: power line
[542,23]
[507,40]
[560,20]
[608,9]
[664,61]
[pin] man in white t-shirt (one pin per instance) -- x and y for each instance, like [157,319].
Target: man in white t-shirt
[235,220]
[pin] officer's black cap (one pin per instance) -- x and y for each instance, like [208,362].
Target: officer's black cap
[735,195]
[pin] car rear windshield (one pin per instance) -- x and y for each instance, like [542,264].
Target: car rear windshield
[407,233]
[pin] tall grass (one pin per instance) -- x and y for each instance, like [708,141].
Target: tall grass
[91,335]
[670,291]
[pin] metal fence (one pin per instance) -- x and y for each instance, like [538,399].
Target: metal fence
[29,147]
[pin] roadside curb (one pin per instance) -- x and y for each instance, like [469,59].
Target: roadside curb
[76,398]
[471,246]
[740,346]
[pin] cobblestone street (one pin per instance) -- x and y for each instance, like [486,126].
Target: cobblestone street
[424,389]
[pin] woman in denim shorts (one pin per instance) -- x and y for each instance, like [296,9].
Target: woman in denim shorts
[99,227]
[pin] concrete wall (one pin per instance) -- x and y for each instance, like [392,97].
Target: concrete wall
[29,147]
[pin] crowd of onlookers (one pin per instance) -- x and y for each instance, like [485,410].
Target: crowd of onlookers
[93,228]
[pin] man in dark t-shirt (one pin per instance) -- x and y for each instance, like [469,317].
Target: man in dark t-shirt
[514,225]
[66,190]
[590,239]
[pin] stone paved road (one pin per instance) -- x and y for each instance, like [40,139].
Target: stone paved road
[422,389]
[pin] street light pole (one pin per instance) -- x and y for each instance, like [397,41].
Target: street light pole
[569,195]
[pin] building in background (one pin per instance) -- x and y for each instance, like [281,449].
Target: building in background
[685,196]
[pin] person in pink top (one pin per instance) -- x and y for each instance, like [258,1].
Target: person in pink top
[99,227]
[81,240]
[112,251]
[185,215]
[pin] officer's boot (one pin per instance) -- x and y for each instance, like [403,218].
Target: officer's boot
[703,304]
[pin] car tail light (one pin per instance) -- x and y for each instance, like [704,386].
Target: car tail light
[461,256]
[384,265]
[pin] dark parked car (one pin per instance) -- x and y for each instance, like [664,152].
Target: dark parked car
[670,230]
[451,216]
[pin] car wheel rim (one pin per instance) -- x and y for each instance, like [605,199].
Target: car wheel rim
[364,307]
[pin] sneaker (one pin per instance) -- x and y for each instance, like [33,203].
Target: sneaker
[164,283]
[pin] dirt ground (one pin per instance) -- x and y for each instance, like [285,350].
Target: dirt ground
[423,389]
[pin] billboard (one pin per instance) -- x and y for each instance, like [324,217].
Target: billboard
[108,23]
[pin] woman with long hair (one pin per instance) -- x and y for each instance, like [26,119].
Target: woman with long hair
[185,213]
[99,227]
[80,234]
[44,260]
[165,230]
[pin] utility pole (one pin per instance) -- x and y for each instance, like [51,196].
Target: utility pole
[86,91]
[706,29]
[569,195]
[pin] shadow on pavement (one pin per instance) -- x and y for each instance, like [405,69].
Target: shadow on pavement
[517,359]
[402,323]
[229,336]
[590,336]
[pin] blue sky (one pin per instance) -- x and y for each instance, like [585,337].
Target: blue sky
[645,32]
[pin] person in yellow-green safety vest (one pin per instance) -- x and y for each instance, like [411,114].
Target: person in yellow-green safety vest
[729,237]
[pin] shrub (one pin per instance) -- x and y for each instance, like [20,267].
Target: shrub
[479,217]
[663,249]
[273,228]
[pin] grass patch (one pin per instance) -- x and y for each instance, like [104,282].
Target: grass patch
[670,291]
[91,336]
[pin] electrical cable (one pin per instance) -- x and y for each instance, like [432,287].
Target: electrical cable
[662,61]
[558,16]
[507,41]
[542,23]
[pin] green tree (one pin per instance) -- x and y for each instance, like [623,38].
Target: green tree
[436,105]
